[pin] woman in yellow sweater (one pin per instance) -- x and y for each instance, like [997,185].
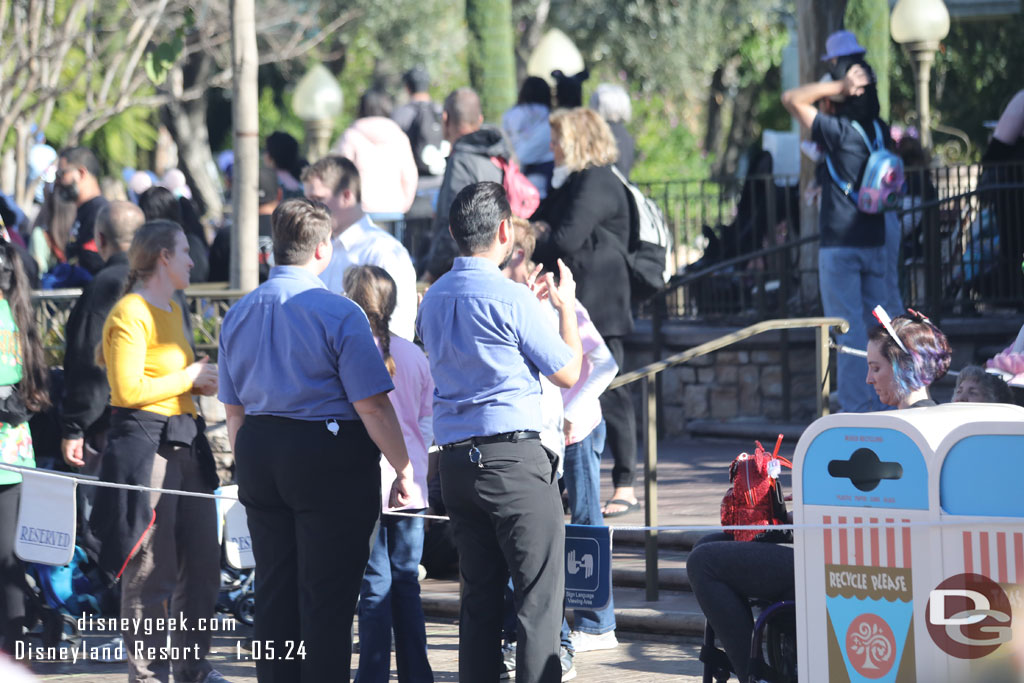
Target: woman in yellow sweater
[162,547]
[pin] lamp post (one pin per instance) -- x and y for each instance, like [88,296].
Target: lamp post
[919,25]
[317,101]
[554,52]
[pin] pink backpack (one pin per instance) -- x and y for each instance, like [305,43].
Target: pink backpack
[522,195]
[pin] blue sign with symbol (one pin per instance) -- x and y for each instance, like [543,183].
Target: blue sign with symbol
[588,566]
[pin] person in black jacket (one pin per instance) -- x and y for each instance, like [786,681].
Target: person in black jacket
[473,146]
[1004,168]
[159,202]
[588,212]
[85,412]
[78,181]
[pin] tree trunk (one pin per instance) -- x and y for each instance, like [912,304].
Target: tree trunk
[187,123]
[741,129]
[245,178]
[529,38]
[816,19]
[491,55]
[869,19]
[716,97]
[22,141]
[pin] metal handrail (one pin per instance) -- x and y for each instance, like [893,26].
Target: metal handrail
[646,376]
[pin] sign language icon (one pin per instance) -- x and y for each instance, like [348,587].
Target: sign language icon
[587,563]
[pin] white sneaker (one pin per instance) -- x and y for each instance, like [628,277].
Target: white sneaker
[588,642]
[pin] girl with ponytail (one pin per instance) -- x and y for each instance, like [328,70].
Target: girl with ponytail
[390,594]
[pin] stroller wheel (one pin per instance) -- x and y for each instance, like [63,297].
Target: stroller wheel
[245,608]
[59,627]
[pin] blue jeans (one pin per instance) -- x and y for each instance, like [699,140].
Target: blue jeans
[853,280]
[583,483]
[390,598]
[893,240]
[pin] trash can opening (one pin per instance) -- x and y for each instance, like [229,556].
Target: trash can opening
[864,469]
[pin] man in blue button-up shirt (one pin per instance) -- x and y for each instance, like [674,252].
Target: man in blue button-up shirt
[305,392]
[488,340]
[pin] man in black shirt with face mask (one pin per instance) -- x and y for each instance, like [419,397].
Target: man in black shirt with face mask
[78,173]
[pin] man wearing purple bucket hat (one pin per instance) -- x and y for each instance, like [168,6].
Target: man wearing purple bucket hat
[842,44]
[853,261]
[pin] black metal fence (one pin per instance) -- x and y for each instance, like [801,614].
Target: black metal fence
[739,254]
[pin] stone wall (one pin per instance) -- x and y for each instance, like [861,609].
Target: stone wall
[736,385]
[730,385]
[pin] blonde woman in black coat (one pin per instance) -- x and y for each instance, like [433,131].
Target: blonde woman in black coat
[588,214]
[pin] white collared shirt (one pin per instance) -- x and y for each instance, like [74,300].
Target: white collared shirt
[364,244]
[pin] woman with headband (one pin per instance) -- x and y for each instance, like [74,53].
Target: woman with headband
[905,356]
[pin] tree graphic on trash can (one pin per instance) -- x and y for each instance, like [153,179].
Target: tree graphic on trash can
[870,646]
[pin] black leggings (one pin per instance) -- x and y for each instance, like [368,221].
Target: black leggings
[620,418]
[12,571]
[725,574]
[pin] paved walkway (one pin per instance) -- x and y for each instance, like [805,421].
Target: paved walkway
[634,661]
[693,477]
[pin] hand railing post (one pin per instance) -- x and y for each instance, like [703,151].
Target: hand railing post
[821,368]
[650,418]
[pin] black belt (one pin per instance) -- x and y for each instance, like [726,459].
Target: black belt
[506,437]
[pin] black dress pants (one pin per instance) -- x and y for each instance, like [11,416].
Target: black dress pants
[620,419]
[507,520]
[12,571]
[312,500]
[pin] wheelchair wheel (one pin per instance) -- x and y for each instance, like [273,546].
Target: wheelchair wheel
[773,647]
[245,608]
[780,646]
[58,628]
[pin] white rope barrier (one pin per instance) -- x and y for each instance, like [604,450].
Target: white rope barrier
[898,524]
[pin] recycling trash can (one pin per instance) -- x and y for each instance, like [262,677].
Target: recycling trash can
[863,589]
[974,610]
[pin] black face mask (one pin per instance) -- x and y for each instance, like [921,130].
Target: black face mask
[68,193]
[6,271]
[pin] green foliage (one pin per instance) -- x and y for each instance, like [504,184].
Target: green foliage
[160,58]
[668,50]
[275,113]
[121,139]
[118,142]
[391,37]
[972,79]
[666,146]
[869,20]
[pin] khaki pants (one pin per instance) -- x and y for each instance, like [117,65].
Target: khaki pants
[176,567]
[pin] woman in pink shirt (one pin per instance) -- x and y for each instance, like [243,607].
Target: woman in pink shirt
[390,595]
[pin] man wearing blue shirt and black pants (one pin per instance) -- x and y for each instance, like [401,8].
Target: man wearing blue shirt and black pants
[488,340]
[305,391]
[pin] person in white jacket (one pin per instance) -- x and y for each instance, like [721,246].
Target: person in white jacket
[381,152]
[584,433]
